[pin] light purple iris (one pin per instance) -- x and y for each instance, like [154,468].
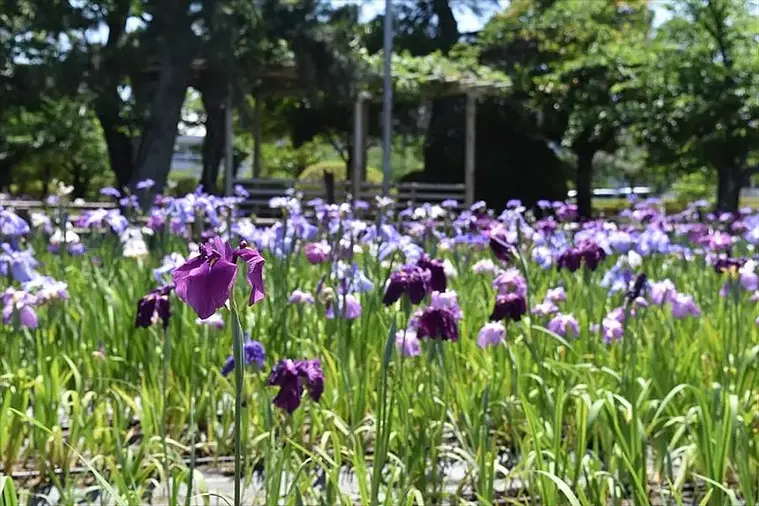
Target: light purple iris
[21,304]
[205,282]
[545,308]
[491,334]
[748,277]
[110,191]
[300,297]
[448,300]
[11,224]
[407,343]
[563,325]
[662,291]
[684,305]
[556,295]
[352,307]
[510,281]
[612,330]
[145,184]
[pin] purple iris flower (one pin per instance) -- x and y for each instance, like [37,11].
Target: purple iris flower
[253,353]
[586,252]
[556,295]
[448,300]
[11,224]
[491,334]
[153,307]
[612,330]
[21,264]
[545,308]
[728,264]
[748,277]
[300,297]
[542,256]
[437,323]
[145,184]
[110,191]
[22,304]
[77,249]
[500,247]
[291,376]
[407,343]
[510,306]
[240,191]
[564,324]
[437,272]
[352,307]
[662,291]
[411,280]
[129,201]
[684,305]
[510,281]
[317,252]
[205,282]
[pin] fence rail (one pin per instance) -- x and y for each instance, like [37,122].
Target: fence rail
[262,190]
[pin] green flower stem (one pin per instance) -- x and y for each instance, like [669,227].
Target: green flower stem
[239,384]
[164,409]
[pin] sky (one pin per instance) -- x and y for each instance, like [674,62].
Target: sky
[467,21]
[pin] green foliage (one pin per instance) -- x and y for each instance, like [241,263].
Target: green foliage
[701,88]
[338,169]
[8,495]
[282,159]
[431,75]
[697,185]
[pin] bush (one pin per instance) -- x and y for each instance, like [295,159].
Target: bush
[694,186]
[183,185]
[316,171]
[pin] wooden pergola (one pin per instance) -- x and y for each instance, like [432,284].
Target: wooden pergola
[283,81]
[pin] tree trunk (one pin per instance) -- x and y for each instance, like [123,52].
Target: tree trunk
[583,182]
[119,145]
[729,184]
[153,160]
[213,94]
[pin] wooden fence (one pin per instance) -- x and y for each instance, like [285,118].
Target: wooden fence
[262,190]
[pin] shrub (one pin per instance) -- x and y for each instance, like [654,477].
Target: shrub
[338,168]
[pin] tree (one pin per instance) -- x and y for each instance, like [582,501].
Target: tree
[704,83]
[569,62]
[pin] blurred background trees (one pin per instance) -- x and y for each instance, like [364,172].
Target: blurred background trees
[611,93]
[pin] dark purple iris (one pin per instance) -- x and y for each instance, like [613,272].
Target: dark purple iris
[637,287]
[437,272]
[502,250]
[509,306]
[727,264]
[586,252]
[291,376]
[411,280]
[205,282]
[437,323]
[153,307]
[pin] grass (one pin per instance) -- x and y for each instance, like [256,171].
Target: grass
[672,404]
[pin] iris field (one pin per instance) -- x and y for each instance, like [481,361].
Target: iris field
[379,355]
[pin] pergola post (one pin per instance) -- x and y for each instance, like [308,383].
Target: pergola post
[257,135]
[228,145]
[469,165]
[359,144]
